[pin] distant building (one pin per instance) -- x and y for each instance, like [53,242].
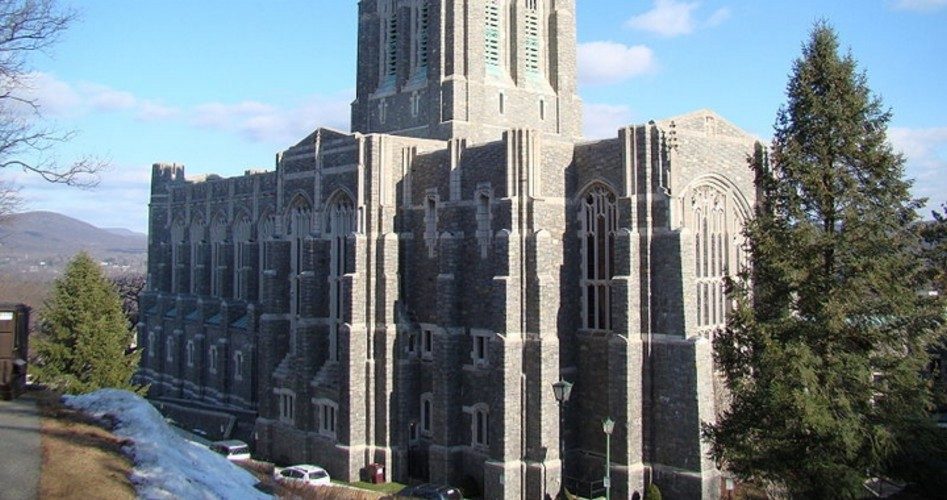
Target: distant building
[408,293]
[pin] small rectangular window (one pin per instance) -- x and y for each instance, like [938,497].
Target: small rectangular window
[412,343]
[212,355]
[326,411]
[287,406]
[479,350]
[427,344]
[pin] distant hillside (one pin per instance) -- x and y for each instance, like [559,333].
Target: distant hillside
[124,232]
[40,243]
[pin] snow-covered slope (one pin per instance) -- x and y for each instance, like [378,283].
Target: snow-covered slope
[165,465]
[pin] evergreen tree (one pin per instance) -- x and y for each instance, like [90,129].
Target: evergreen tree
[87,337]
[935,237]
[824,351]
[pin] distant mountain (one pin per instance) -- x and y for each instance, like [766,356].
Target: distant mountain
[125,232]
[42,242]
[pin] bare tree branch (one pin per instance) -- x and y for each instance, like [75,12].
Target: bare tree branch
[26,27]
[10,200]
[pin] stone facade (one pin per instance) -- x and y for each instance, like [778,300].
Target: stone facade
[409,292]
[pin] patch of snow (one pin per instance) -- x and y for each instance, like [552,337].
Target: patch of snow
[165,464]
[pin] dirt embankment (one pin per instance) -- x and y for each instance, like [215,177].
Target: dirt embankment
[81,460]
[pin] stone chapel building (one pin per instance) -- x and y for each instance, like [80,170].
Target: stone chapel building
[407,293]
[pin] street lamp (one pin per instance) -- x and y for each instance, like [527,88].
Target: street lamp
[562,389]
[608,425]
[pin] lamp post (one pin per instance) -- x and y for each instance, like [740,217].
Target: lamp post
[608,425]
[562,389]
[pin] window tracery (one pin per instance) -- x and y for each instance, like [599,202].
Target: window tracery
[717,222]
[300,225]
[598,222]
[218,238]
[178,252]
[241,268]
[196,240]
[340,223]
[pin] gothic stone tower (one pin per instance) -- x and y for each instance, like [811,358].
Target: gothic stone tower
[454,68]
[408,293]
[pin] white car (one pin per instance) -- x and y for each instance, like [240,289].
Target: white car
[302,474]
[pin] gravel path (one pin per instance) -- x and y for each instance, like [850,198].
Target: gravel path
[20,451]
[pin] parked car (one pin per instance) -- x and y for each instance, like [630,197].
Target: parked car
[232,449]
[303,474]
[431,491]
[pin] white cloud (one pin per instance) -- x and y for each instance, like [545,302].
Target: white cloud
[719,17]
[55,98]
[671,18]
[919,5]
[52,96]
[600,121]
[259,122]
[153,111]
[251,120]
[602,63]
[102,98]
[926,152]
[666,18]
[221,115]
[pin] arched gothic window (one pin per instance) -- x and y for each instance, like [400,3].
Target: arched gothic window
[427,410]
[178,253]
[190,353]
[300,225]
[197,239]
[169,349]
[218,238]
[598,218]
[340,223]
[480,426]
[717,221]
[212,359]
[266,230]
[238,365]
[241,267]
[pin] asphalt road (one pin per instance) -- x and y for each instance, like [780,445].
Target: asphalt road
[20,452]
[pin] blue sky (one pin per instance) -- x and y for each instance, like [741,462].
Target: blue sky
[222,86]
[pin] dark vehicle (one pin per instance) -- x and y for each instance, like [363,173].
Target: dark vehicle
[431,491]
[232,449]
[14,328]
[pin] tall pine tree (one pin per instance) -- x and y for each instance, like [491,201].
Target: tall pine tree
[935,239]
[86,333]
[824,351]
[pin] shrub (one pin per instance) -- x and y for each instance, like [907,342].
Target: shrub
[652,492]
